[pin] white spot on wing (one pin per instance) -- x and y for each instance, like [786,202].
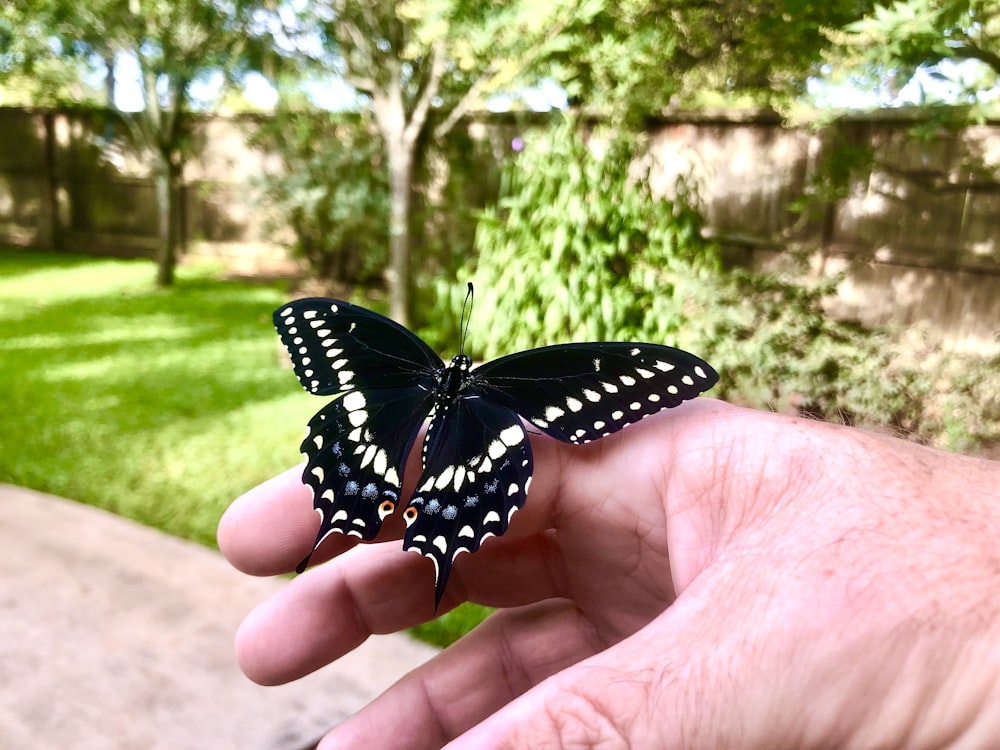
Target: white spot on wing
[512,435]
[553,413]
[444,477]
[354,400]
[573,404]
[369,455]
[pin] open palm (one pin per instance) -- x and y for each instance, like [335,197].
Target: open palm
[698,580]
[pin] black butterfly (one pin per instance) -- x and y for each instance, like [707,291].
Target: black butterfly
[476,455]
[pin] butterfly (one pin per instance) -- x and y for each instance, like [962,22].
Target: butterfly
[476,457]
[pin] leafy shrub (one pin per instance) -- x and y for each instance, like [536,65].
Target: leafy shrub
[578,248]
[332,190]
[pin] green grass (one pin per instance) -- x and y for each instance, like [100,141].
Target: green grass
[159,405]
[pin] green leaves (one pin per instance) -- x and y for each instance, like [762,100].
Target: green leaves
[579,249]
[888,46]
[575,248]
[332,190]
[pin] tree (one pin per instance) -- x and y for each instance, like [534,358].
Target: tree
[636,58]
[176,43]
[885,50]
[421,65]
[34,70]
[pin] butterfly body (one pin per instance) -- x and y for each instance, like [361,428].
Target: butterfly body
[476,455]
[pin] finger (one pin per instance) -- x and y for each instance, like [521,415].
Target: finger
[316,618]
[505,656]
[271,528]
[265,531]
[328,611]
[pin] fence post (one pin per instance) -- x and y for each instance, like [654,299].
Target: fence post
[47,235]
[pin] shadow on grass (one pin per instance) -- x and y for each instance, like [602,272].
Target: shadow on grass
[163,357]
[161,405]
[17,261]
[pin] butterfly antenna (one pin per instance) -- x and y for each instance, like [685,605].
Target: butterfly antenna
[464,323]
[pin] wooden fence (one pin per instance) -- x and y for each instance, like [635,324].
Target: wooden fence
[915,225]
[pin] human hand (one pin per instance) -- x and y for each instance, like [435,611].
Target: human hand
[711,577]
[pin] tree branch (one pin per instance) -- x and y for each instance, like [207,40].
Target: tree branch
[973,52]
[482,82]
[426,96]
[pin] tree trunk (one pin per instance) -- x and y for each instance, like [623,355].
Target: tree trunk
[399,272]
[166,178]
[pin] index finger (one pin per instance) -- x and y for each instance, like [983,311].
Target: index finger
[272,527]
[268,529]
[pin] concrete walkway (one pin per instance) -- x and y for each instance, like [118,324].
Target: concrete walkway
[117,636]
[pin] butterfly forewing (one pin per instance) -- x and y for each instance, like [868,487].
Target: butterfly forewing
[580,392]
[336,346]
[477,469]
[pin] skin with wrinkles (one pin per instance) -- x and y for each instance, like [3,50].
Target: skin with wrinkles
[714,577]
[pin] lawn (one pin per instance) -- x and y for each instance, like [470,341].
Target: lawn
[159,405]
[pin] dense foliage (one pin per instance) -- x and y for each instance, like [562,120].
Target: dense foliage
[331,190]
[578,248]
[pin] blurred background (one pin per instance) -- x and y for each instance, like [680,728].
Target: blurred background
[805,193]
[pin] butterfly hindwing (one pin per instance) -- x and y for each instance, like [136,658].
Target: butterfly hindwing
[477,470]
[355,450]
[580,392]
[336,346]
